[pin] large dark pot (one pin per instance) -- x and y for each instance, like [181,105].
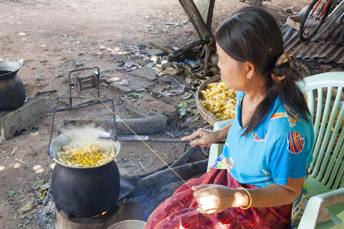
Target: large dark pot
[12,91]
[85,192]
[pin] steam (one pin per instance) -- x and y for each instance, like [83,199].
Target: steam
[80,137]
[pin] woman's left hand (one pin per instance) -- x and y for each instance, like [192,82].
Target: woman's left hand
[212,198]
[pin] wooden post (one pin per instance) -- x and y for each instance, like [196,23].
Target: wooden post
[206,9]
[195,18]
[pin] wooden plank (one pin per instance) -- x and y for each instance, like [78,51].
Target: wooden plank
[206,9]
[195,18]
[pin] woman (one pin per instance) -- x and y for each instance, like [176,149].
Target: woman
[268,147]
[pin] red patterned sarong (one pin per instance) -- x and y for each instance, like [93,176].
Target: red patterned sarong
[179,210]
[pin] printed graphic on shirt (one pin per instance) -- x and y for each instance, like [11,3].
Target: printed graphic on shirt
[230,162]
[217,162]
[293,119]
[279,115]
[223,163]
[256,138]
[296,142]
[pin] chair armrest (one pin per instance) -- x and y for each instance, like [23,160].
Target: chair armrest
[216,149]
[317,205]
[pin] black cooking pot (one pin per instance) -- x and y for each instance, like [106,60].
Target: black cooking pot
[85,192]
[12,91]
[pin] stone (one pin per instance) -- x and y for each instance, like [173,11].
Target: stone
[154,59]
[78,63]
[141,46]
[145,73]
[132,83]
[25,117]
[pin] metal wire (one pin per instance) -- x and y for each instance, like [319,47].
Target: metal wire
[153,151]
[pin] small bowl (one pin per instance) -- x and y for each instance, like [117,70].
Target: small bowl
[128,224]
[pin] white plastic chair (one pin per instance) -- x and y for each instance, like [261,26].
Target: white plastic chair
[325,99]
[327,168]
[316,214]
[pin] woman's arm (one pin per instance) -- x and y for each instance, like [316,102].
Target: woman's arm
[222,133]
[204,137]
[275,195]
[216,198]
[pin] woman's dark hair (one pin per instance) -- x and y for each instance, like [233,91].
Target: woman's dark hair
[252,34]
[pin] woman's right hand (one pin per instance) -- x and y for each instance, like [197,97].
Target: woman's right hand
[202,138]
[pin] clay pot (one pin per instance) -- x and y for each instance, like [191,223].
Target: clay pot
[12,91]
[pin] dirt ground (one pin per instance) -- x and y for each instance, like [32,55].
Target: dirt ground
[57,36]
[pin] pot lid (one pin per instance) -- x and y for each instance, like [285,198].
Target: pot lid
[11,65]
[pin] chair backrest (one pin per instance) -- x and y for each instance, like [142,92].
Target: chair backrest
[325,99]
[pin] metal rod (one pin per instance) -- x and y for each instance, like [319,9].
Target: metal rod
[146,138]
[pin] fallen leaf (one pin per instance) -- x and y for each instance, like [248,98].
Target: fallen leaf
[187,95]
[26,207]
[43,194]
[183,107]
[12,193]
[137,94]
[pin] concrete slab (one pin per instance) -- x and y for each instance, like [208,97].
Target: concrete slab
[146,73]
[131,83]
[25,117]
[150,105]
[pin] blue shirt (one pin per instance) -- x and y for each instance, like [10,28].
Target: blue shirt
[280,147]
